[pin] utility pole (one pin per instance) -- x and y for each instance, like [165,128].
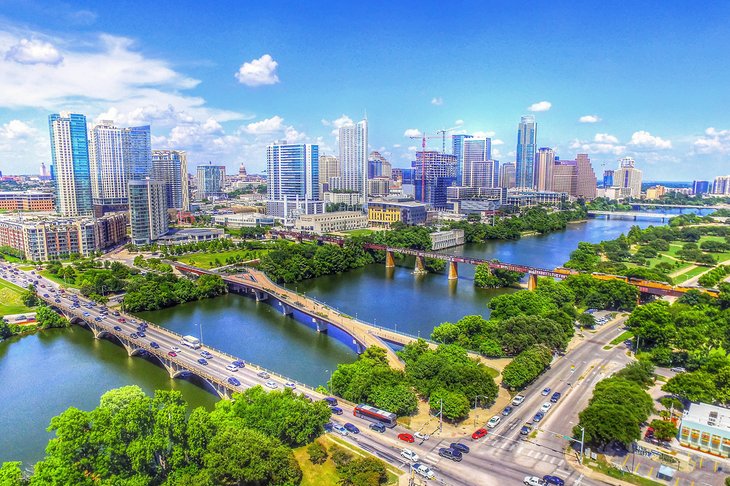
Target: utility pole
[582,442]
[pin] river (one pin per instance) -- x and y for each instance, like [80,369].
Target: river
[45,373]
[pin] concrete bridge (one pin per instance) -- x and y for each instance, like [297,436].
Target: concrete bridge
[632,215]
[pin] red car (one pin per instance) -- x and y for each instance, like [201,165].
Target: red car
[478,434]
[172,354]
[406,438]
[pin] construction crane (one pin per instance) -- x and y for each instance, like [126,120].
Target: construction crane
[443,133]
[423,138]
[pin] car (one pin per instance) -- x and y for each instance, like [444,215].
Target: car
[233,381]
[239,364]
[421,436]
[141,334]
[352,428]
[271,384]
[533,481]
[405,437]
[329,426]
[450,453]
[538,416]
[263,374]
[548,479]
[202,361]
[172,354]
[175,348]
[290,384]
[545,407]
[526,429]
[206,354]
[122,319]
[340,429]
[517,400]
[336,410]
[556,396]
[232,368]
[494,421]
[377,427]
[479,433]
[463,448]
[116,313]
[424,471]
[154,345]
[649,433]
[46,295]
[331,401]
[507,410]
[97,318]
[678,369]
[546,391]
[86,314]
[410,455]
[134,335]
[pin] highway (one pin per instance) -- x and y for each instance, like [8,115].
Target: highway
[502,457]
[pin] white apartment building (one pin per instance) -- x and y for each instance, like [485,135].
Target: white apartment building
[331,222]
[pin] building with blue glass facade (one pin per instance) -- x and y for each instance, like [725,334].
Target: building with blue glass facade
[293,176]
[608,178]
[700,187]
[526,149]
[439,173]
[70,164]
[457,147]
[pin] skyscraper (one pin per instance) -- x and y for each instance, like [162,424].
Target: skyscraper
[70,164]
[586,178]
[211,180]
[721,185]
[440,173]
[473,152]
[171,168]
[628,178]
[378,166]
[526,146]
[544,163]
[147,210]
[329,167]
[354,157]
[700,187]
[607,178]
[565,177]
[507,175]
[457,146]
[293,176]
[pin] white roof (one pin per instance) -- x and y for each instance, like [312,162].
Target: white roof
[710,415]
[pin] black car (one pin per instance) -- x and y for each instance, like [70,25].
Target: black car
[332,402]
[117,328]
[526,429]
[328,427]
[464,449]
[134,335]
[377,427]
[450,453]
[555,397]
[239,363]
[351,428]
[336,410]
[553,480]
[141,334]
[233,381]
[202,361]
[154,345]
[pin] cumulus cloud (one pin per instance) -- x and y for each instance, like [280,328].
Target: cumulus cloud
[459,123]
[338,123]
[15,130]
[412,148]
[438,101]
[589,119]
[602,143]
[258,72]
[34,51]
[713,141]
[645,140]
[487,134]
[540,106]
[412,132]
[268,125]
[496,141]
[605,138]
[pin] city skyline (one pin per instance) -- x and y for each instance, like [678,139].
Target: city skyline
[607,95]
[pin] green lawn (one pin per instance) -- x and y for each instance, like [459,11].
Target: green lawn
[56,279]
[10,302]
[206,260]
[622,337]
[359,232]
[693,272]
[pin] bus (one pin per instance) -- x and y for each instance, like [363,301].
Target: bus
[375,415]
[191,342]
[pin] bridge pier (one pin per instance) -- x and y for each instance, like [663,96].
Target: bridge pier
[286,309]
[531,281]
[453,271]
[389,260]
[420,266]
[322,326]
[260,295]
[359,348]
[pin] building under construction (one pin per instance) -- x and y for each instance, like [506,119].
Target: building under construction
[434,172]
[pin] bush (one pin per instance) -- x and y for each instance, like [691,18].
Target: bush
[317,453]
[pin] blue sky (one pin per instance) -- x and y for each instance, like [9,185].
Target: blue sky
[644,79]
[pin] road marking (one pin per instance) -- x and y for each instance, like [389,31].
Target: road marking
[519,449]
[651,469]
[716,465]
[579,480]
[701,460]
[623,464]
[511,447]
[637,467]
[562,461]
[530,453]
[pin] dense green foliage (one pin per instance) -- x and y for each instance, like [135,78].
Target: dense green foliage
[360,471]
[526,366]
[714,276]
[29,297]
[402,236]
[317,453]
[299,262]
[486,278]
[663,429]
[157,291]
[47,318]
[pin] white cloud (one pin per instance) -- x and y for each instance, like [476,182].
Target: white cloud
[16,129]
[412,148]
[540,106]
[605,138]
[645,140]
[602,143]
[714,141]
[487,134]
[338,123]
[258,72]
[268,125]
[396,145]
[34,51]
[438,101]
[589,119]
[459,122]
[496,141]
[412,132]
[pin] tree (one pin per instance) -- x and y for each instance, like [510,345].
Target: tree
[607,422]
[317,453]
[398,399]
[11,474]
[663,430]
[526,366]
[640,372]
[586,320]
[697,386]
[30,297]
[455,405]
[47,318]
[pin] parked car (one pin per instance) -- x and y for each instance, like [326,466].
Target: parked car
[556,396]
[463,448]
[377,427]
[517,400]
[507,410]
[410,455]
[352,428]
[450,453]
[423,471]
[494,421]
[406,438]
[479,433]
[421,436]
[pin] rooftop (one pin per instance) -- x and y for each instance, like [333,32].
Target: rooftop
[710,415]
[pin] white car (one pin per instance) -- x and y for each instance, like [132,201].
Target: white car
[421,436]
[271,384]
[424,470]
[231,367]
[290,384]
[545,407]
[533,481]
[176,349]
[339,429]
[517,400]
[494,421]
[409,454]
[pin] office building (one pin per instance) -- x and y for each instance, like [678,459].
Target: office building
[585,178]
[485,173]
[350,200]
[171,168]
[70,164]
[26,201]
[544,163]
[329,167]
[293,180]
[607,178]
[655,192]
[378,166]
[354,158]
[526,147]
[243,220]
[379,186]
[147,210]
[523,198]
[446,239]
[211,181]
[565,177]
[434,172]
[457,147]
[507,175]
[721,185]
[384,212]
[331,222]
[44,175]
[706,428]
[700,187]
[628,177]
[474,151]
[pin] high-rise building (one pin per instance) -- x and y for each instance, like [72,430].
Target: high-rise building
[607,178]
[721,185]
[507,173]
[354,157]
[329,167]
[457,146]
[378,166]
[526,147]
[44,174]
[147,210]
[117,155]
[171,168]
[440,173]
[485,173]
[700,187]
[70,164]
[585,178]
[628,178]
[475,151]
[293,175]
[565,177]
[211,180]
[544,163]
